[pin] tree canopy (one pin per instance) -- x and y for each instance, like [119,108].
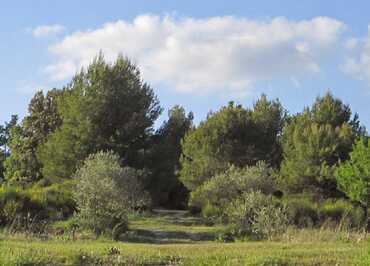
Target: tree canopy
[106,107]
[233,135]
[42,119]
[164,159]
[314,142]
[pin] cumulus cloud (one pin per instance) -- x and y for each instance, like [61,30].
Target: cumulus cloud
[200,55]
[357,63]
[47,30]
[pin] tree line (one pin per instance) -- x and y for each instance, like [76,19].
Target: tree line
[322,151]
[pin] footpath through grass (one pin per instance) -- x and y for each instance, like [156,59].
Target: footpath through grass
[175,238]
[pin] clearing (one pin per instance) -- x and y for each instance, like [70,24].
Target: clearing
[178,238]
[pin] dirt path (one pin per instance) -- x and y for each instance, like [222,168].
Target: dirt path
[170,226]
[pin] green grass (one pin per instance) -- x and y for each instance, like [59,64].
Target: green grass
[13,252]
[297,247]
[168,223]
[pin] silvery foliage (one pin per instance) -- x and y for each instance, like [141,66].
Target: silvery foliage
[256,215]
[105,192]
[225,187]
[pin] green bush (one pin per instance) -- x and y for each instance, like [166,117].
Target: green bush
[257,216]
[39,203]
[302,212]
[211,212]
[215,194]
[57,199]
[105,193]
[342,211]
[16,203]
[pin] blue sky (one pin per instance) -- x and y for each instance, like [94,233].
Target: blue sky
[199,54]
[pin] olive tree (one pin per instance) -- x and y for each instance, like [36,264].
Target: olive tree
[105,193]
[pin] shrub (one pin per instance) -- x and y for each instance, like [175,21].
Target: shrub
[342,211]
[40,204]
[215,194]
[270,221]
[56,199]
[105,193]
[16,203]
[211,212]
[302,212]
[257,215]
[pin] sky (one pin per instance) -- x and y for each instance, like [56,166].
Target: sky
[198,54]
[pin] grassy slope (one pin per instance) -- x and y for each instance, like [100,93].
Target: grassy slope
[308,247]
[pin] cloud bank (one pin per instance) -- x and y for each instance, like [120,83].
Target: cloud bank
[225,54]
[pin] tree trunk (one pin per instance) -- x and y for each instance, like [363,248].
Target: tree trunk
[366,213]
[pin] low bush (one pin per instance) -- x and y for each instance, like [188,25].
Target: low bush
[16,203]
[57,199]
[302,212]
[35,203]
[342,212]
[270,221]
[215,194]
[257,216]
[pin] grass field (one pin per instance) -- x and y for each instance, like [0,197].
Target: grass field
[178,239]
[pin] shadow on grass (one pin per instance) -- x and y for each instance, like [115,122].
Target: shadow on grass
[165,237]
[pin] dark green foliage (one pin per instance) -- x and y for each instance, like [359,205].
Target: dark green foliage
[269,118]
[314,142]
[4,142]
[107,107]
[233,135]
[23,167]
[118,230]
[302,211]
[104,120]
[164,160]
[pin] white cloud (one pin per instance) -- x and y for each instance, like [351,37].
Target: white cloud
[47,30]
[357,64]
[61,70]
[199,55]
[351,43]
